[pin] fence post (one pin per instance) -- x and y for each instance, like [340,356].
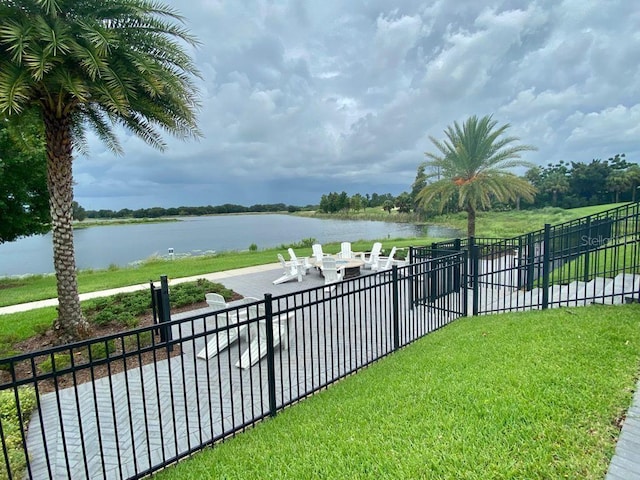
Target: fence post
[271,366]
[456,269]
[464,257]
[530,262]
[546,263]
[164,312]
[396,309]
[475,268]
[412,270]
[587,252]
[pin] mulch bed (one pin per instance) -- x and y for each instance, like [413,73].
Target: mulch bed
[24,370]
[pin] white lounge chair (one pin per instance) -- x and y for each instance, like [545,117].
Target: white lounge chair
[215,301]
[331,272]
[291,270]
[258,339]
[374,256]
[303,262]
[226,337]
[345,250]
[385,263]
[318,254]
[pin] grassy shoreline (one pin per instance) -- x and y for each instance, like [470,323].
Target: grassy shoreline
[490,224]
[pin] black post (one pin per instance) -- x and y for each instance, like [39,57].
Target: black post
[587,251]
[396,310]
[456,269]
[412,271]
[546,263]
[465,272]
[475,268]
[530,262]
[164,312]
[271,365]
[154,303]
[519,259]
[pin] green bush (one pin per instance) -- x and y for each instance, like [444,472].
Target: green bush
[101,350]
[126,308]
[253,247]
[11,427]
[61,360]
[131,341]
[193,292]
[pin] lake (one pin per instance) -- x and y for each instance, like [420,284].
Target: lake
[100,247]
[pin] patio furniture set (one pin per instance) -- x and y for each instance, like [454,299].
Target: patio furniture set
[334,268]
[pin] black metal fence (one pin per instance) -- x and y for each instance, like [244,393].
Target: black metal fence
[126,405]
[594,259]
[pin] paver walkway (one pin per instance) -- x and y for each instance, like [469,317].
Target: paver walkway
[127,423]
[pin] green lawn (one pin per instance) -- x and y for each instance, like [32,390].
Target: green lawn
[531,395]
[28,289]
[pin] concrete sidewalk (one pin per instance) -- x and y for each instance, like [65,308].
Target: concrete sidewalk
[213,277]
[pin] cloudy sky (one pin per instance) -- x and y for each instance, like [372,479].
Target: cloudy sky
[305,97]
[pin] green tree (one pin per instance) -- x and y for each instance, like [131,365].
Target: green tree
[79,213]
[404,202]
[92,63]
[24,206]
[555,182]
[618,182]
[633,175]
[472,163]
[356,202]
[387,206]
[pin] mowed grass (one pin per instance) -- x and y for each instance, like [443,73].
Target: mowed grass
[533,395]
[517,222]
[20,290]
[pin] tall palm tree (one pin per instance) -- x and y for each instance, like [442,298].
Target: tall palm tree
[471,167]
[92,63]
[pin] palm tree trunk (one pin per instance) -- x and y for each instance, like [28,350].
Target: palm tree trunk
[471,222]
[71,325]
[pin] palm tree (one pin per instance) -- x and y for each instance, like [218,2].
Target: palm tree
[472,163]
[92,63]
[555,182]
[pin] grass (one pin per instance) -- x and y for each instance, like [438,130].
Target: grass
[533,395]
[20,290]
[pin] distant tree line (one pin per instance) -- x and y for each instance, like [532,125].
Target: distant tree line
[156,212]
[577,184]
[335,202]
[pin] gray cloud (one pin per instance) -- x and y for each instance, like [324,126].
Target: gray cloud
[302,98]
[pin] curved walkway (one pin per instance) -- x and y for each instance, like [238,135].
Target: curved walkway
[213,277]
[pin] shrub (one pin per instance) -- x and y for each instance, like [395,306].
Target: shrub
[131,341]
[126,308]
[101,350]
[11,427]
[61,361]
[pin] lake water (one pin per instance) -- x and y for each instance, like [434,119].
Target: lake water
[99,247]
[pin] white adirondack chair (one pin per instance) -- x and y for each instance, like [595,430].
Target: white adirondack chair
[291,270]
[345,250]
[332,274]
[302,262]
[385,263]
[371,261]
